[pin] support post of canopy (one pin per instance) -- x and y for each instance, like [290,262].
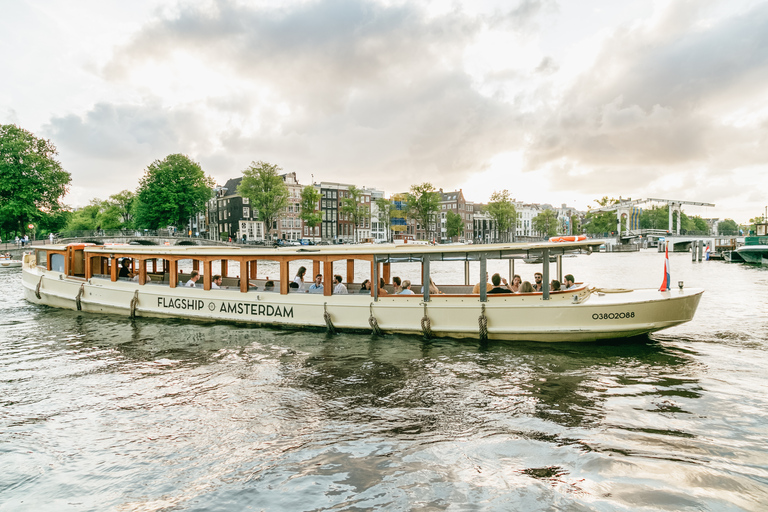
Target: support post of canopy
[375,284]
[466,272]
[245,275]
[545,274]
[350,271]
[195,265]
[113,268]
[173,272]
[559,267]
[154,265]
[483,288]
[511,270]
[284,277]
[425,281]
[327,278]
[88,266]
[224,268]
[207,277]
[386,272]
[252,271]
[315,268]
[142,272]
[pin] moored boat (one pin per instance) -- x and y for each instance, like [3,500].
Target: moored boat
[755,248]
[87,277]
[8,262]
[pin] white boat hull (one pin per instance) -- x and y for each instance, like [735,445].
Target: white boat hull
[754,254]
[10,263]
[509,317]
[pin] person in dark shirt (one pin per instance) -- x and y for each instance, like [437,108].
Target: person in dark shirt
[497,281]
[125,270]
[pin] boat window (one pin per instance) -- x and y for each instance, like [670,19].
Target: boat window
[42,258]
[57,262]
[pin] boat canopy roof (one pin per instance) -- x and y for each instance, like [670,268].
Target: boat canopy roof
[387,253]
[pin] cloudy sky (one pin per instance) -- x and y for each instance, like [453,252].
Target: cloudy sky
[555,101]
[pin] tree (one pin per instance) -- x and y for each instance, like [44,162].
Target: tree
[454,224]
[501,209]
[575,225]
[171,192]
[354,208]
[423,203]
[546,223]
[385,209]
[266,190]
[598,223]
[118,213]
[32,182]
[728,227]
[310,200]
[85,218]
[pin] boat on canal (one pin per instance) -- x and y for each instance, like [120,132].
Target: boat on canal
[87,278]
[8,262]
[755,248]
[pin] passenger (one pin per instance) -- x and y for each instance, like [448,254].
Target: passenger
[497,287]
[269,286]
[537,286]
[317,286]
[193,277]
[382,289]
[216,283]
[433,289]
[406,288]
[125,270]
[293,286]
[569,282]
[396,285]
[526,287]
[339,289]
[554,286]
[488,286]
[516,282]
[299,279]
[366,287]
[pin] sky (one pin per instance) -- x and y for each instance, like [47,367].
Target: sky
[558,102]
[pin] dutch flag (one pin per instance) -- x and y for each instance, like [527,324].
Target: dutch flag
[667,278]
[706,253]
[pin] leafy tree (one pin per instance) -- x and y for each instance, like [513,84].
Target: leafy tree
[728,227]
[655,218]
[697,224]
[423,203]
[454,224]
[501,209]
[118,211]
[171,192]
[309,204]
[32,182]
[354,208]
[266,190]
[598,223]
[575,225]
[85,218]
[546,223]
[385,209]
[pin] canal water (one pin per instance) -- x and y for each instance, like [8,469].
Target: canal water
[105,413]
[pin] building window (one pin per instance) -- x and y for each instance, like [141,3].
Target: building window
[246,200]
[246,212]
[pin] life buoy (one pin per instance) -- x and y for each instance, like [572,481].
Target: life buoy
[577,238]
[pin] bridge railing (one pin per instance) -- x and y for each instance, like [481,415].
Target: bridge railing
[122,233]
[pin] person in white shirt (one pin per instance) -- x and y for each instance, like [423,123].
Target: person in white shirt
[216,283]
[339,289]
[299,279]
[194,276]
[406,288]
[569,282]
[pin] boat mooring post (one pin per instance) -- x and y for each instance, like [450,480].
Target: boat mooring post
[694,243]
[425,271]
[483,287]
[701,250]
[545,274]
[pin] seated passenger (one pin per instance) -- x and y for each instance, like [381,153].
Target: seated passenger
[433,289]
[269,286]
[125,270]
[216,283]
[526,287]
[193,277]
[497,287]
[382,289]
[339,289]
[293,287]
[488,286]
[406,288]
[569,282]
[554,286]
[365,287]
[537,286]
[516,282]
[317,286]
[397,285]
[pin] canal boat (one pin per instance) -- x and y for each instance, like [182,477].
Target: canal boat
[8,262]
[755,248]
[87,278]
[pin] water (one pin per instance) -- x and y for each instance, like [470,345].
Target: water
[102,413]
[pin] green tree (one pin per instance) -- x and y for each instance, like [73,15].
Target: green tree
[575,225]
[118,211]
[171,191]
[384,214]
[501,209]
[85,218]
[309,205]
[546,223]
[655,218]
[598,223]
[266,190]
[423,205]
[32,182]
[454,224]
[354,209]
[728,227]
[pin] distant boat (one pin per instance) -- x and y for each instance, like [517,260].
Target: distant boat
[755,248]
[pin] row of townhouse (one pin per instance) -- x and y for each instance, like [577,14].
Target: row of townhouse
[230,216]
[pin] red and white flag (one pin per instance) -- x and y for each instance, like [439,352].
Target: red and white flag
[667,278]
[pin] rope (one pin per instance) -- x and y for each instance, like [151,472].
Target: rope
[327,317]
[79,294]
[134,303]
[373,323]
[611,290]
[37,290]
[483,322]
[426,324]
